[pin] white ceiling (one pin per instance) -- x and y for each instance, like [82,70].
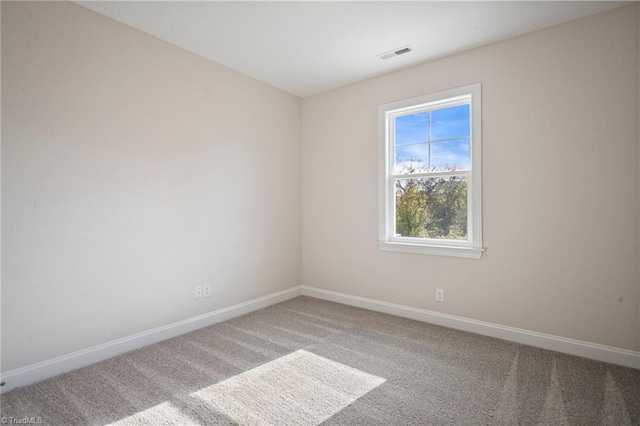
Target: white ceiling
[309,47]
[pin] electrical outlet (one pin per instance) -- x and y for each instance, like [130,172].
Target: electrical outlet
[439,295]
[206,290]
[198,292]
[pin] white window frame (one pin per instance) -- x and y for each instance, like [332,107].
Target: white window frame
[470,248]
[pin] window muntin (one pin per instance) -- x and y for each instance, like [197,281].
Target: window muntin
[430,173]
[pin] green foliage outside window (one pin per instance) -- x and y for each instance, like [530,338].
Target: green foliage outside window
[432,207]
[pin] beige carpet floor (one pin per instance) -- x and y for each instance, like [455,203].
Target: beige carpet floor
[307,361]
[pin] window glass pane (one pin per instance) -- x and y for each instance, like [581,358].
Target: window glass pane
[432,207]
[450,155]
[412,128]
[412,158]
[449,123]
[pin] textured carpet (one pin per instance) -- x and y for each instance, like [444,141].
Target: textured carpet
[307,361]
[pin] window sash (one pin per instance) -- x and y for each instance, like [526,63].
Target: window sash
[430,106]
[391,225]
[392,115]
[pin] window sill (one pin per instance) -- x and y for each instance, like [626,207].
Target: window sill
[465,252]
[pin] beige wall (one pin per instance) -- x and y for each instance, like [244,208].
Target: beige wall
[560,180]
[133,171]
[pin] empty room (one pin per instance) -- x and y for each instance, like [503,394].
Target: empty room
[305,213]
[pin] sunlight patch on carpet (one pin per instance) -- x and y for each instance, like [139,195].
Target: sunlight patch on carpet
[161,414]
[298,389]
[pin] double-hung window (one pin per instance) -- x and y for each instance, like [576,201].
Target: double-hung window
[430,174]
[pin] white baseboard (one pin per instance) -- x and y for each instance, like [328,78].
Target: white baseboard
[580,348]
[43,370]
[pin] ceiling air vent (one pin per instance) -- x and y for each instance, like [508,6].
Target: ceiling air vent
[395,52]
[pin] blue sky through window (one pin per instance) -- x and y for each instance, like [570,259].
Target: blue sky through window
[450,123]
[433,140]
[454,153]
[412,128]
